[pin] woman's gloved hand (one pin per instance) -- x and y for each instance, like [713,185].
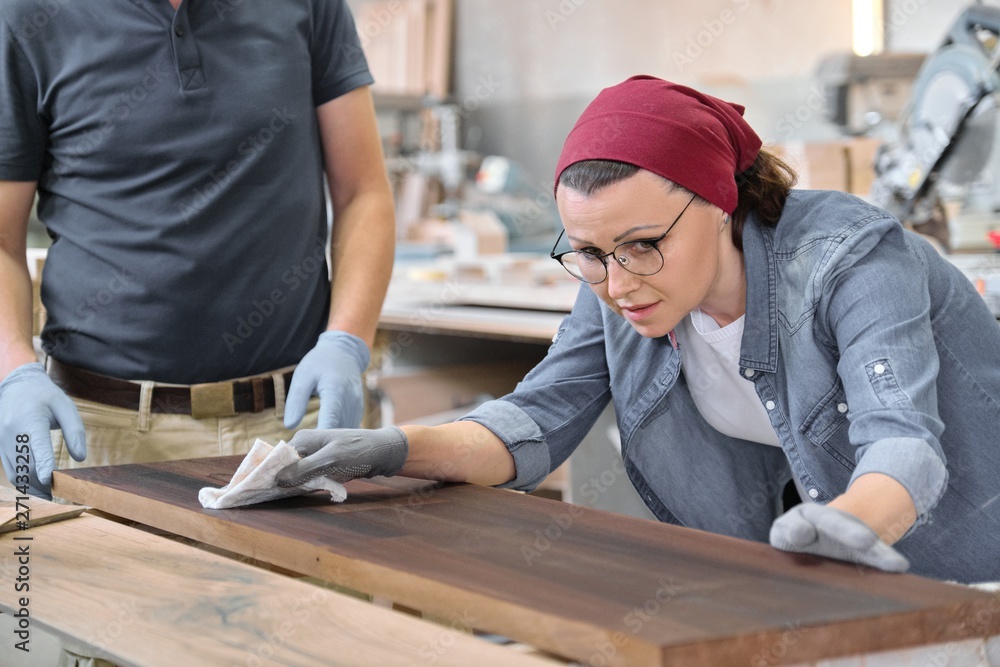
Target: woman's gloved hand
[345,454]
[332,370]
[827,531]
[30,405]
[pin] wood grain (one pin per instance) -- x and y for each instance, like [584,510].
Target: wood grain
[590,585]
[145,601]
[15,508]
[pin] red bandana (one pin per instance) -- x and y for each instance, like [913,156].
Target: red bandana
[695,140]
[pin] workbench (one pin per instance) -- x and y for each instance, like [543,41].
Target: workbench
[138,599]
[583,584]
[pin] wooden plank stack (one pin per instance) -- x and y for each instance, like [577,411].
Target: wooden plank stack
[408,44]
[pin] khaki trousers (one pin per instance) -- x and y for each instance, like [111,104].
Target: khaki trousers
[116,435]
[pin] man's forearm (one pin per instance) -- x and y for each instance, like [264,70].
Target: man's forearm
[462,451]
[361,258]
[16,199]
[15,314]
[364,231]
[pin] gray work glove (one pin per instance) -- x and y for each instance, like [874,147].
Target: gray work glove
[345,454]
[827,531]
[332,370]
[30,405]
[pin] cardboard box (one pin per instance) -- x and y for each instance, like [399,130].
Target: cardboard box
[820,165]
[847,165]
[38,312]
[861,164]
[415,395]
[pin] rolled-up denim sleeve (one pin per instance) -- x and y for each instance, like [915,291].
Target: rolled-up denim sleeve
[550,412]
[522,437]
[913,463]
[877,308]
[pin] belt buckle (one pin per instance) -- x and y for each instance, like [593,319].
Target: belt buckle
[213,399]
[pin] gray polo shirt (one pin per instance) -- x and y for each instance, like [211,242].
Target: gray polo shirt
[180,176]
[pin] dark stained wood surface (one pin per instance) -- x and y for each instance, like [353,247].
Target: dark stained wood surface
[590,585]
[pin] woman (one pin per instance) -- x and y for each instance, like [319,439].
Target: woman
[748,335]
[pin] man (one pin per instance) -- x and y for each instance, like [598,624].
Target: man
[178,150]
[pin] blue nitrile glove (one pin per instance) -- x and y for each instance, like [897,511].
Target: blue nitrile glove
[827,531]
[30,405]
[332,370]
[344,454]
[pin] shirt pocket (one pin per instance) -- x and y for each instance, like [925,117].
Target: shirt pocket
[825,420]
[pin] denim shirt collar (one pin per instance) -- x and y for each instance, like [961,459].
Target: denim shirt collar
[759,347]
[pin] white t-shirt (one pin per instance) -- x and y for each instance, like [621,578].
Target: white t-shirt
[710,360]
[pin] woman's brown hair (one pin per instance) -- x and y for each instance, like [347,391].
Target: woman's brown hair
[763,188]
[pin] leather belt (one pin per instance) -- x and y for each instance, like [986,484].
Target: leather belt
[214,399]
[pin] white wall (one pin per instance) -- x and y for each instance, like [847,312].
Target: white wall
[919,25]
[524,69]
[565,48]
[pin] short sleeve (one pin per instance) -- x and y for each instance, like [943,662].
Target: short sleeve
[22,133]
[338,61]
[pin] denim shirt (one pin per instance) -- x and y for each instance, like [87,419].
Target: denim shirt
[870,352]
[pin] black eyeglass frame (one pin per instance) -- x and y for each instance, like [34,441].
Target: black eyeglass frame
[654,242]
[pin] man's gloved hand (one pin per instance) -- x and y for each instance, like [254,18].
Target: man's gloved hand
[30,405]
[345,454]
[332,370]
[827,531]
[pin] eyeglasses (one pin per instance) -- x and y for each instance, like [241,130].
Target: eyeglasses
[641,257]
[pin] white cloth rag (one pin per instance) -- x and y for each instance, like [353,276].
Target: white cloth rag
[254,480]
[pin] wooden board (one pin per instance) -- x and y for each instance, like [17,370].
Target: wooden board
[141,600]
[512,312]
[521,326]
[17,510]
[594,586]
